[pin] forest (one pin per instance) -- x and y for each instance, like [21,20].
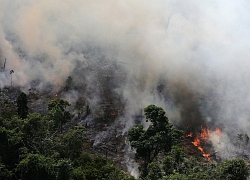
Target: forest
[124,90]
[51,146]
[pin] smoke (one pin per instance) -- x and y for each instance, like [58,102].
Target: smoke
[191,58]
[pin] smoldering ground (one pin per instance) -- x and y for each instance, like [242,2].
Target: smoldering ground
[191,58]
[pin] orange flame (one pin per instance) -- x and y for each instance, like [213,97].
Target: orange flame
[218,132]
[189,135]
[204,135]
[205,132]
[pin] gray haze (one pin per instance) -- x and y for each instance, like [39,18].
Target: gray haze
[189,57]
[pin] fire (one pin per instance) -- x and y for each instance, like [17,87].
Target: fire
[218,132]
[205,132]
[189,135]
[204,135]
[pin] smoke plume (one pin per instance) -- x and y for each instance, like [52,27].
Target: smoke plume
[189,57]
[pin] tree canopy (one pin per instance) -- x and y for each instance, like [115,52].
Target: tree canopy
[31,147]
[22,107]
[159,137]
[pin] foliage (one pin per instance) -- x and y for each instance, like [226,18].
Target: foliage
[37,134]
[64,167]
[154,171]
[57,111]
[73,142]
[22,107]
[96,167]
[78,174]
[32,148]
[177,176]
[11,142]
[159,137]
[168,165]
[4,172]
[178,154]
[7,106]
[235,169]
[36,166]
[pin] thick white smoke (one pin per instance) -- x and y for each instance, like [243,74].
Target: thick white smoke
[196,50]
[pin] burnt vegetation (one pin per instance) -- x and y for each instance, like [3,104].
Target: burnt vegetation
[58,144]
[79,130]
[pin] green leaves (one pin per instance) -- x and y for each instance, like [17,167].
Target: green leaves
[159,137]
[32,148]
[73,142]
[235,169]
[36,166]
[58,113]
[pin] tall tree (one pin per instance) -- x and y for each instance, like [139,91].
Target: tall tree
[11,72]
[22,107]
[58,113]
[159,137]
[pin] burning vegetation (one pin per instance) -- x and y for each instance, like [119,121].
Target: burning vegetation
[202,141]
[109,60]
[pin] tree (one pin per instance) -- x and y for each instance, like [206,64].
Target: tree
[159,137]
[177,176]
[11,142]
[64,169]
[178,154]
[73,142]
[22,107]
[4,172]
[168,165]
[235,169]
[7,106]
[58,113]
[154,171]
[37,134]
[11,71]
[36,166]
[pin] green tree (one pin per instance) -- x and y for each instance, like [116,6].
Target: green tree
[73,142]
[10,144]
[22,107]
[154,171]
[78,174]
[235,169]
[7,106]
[64,169]
[37,134]
[168,165]
[178,154]
[159,137]
[58,113]
[36,166]
[4,172]
[177,176]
